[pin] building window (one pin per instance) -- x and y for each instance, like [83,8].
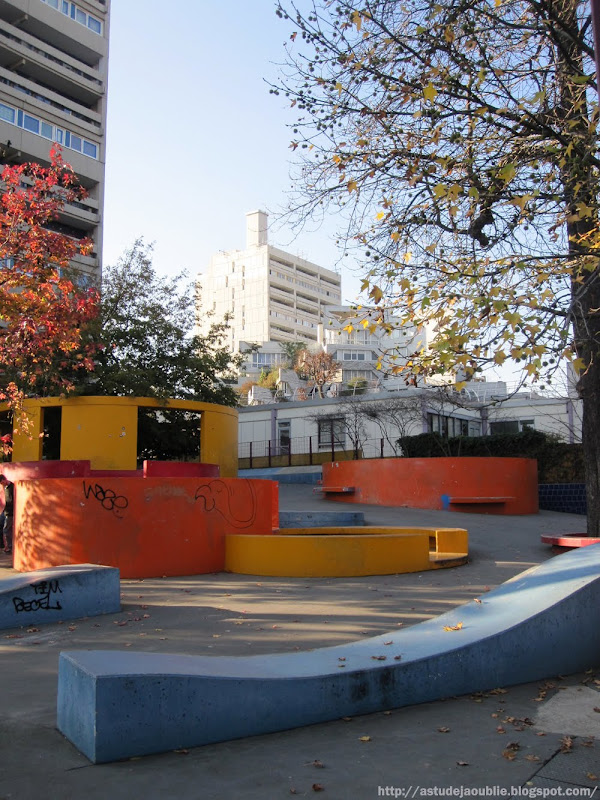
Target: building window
[356,374]
[94,24]
[7,114]
[267,359]
[355,355]
[78,14]
[512,426]
[31,124]
[284,436]
[331,429]
[41,128]
[449,427]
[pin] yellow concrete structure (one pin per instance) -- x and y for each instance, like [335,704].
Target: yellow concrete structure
[345,552]
[103,430]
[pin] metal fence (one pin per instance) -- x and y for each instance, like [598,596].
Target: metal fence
[309,450]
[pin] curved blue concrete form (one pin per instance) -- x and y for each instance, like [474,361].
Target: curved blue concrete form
[58,593]
[320,519]
[114,705]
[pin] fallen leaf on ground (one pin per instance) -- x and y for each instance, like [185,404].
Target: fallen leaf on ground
[364,738]
[379,658]
[462,763]
[456,627]
[443,729]
[566,744]
[531,758]
[318,787]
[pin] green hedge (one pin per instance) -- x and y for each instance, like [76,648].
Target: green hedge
[558,462]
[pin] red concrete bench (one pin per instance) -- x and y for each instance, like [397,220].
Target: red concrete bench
[568,541]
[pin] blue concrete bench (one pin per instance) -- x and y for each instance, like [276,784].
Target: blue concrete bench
[58,593]
[114,705]
[335,489]
[320,519]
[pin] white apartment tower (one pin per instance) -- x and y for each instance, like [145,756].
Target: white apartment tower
[271,295]
[53,77]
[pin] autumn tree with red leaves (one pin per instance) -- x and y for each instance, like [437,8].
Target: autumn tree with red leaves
[43,312]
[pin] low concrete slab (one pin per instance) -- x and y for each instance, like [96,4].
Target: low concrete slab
[114,705]
[58,593]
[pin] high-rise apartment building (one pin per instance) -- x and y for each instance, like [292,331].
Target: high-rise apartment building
[271,295]
[53,78]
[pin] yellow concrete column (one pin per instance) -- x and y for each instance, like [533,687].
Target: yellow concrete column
[219,438]
[102,430]
[27,446]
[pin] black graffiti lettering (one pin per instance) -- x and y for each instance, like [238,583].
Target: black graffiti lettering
[107,498]
[37,604]
[41,602]
[46,587]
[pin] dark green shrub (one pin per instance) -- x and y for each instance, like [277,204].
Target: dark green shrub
[558,462]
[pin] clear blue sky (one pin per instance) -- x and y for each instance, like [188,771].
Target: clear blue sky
[195,140]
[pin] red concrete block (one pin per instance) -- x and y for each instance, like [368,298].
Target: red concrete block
[179,469]
[28,470]
[147,527]
[434,482]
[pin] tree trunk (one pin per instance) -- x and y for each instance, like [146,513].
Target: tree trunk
[580,187]
[588,388]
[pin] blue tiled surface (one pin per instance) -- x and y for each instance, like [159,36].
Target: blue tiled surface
[567,497]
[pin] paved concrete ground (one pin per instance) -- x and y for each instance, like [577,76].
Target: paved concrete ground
[535,736]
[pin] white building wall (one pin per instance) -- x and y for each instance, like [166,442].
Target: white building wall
[271,295]
[558,416]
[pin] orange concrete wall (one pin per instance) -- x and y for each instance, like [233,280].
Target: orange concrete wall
[422,482]
[147,527]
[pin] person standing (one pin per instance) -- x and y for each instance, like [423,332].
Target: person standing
[6,508]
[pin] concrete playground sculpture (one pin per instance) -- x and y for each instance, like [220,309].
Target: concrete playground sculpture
[104,430]
[114,705]
[346,552]
[145,526]
[481,485]
[53,595]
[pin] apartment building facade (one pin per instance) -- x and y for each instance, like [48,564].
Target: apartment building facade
[53,82]
[270,295]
